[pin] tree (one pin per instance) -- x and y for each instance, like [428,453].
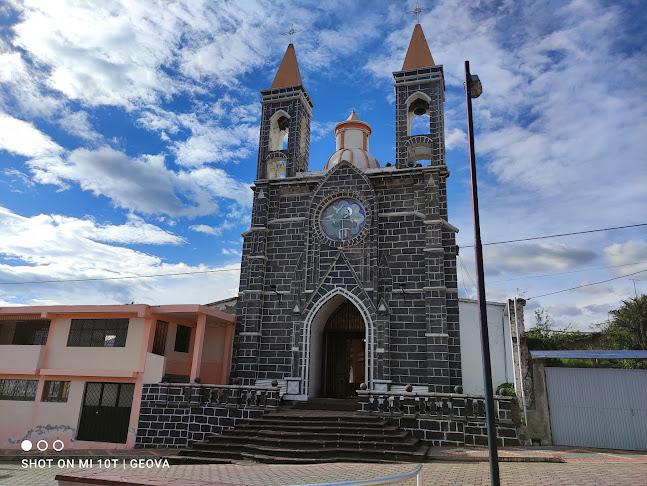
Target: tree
[543,336]
[628,328]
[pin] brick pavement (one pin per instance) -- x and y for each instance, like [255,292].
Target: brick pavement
[449,466]
[615,470]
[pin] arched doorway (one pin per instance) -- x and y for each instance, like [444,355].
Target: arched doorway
[344,352]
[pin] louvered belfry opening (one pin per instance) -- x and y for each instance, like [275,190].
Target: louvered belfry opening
[344,352]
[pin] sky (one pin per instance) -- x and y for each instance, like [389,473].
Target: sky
[129,139]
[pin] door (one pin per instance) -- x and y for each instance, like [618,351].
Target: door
[344,352]
[105,413]
[598,407]
[344,364]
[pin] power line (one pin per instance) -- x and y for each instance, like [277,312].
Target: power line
[557,236]
[121,278]
[586,285]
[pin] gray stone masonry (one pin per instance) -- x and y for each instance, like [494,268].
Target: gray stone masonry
[405,259]
[399,271]
[176,416]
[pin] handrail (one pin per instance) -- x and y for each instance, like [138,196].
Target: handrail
[429,394]
[417,472]
[227,387]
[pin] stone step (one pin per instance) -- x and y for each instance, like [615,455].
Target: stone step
[339,453]
[259,427]
[335,404]
[375,435]
[279,421]
[227,444]
[306,437]
[309,417]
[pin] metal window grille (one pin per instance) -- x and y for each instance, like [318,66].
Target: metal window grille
[56,391]
[23,390]
[98,333]
[31,332]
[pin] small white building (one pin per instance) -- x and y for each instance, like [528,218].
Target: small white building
[502,323]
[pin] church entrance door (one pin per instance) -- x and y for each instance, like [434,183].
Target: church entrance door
[344,349]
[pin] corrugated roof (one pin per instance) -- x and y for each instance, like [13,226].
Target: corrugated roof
[590,354]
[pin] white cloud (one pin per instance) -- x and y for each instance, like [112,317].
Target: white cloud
[455,139]
[60,248]
[230,251]
[320,130]
[18,178]
[78,123]
[600,289]
[23,138]
[632,251]
[525,258]
[23,86]
[142,184]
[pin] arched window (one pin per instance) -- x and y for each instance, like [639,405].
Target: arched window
[279,130]
[418,114]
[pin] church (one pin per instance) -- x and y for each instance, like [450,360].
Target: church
[348,273]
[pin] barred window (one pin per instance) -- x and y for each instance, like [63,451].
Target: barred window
[182,339]
[31,332]
[98,333]
[24,390]
[56,391]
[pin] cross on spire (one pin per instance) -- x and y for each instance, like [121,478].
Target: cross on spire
[291,32]
[417,11]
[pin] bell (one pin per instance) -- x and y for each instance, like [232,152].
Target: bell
[419,107]
[284,123]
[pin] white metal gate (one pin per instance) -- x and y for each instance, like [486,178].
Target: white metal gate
[595,407]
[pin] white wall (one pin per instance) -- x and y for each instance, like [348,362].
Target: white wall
[500,346]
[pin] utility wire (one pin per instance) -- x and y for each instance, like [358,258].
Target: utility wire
[556,236]
[121,278]
[586,285]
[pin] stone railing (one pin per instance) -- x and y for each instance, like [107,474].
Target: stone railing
[444,419]
[231,396]
[443,406]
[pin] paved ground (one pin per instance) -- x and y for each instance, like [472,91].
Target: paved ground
[592,467]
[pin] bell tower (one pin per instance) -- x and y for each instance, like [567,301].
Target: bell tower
[419,92]
[287,111]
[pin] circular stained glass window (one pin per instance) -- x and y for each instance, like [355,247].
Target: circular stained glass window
[343,219]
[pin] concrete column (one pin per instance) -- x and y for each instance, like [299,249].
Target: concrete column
[226,358]
[197,347]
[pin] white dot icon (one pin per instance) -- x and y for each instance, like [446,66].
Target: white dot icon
[26,445]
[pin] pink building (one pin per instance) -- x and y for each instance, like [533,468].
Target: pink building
[75,373]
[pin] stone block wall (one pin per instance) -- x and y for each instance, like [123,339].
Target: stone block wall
[168,419]
[444,420]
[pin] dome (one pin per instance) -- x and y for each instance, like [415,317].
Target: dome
[351,137]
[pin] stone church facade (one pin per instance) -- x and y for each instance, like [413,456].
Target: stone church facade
[348,274]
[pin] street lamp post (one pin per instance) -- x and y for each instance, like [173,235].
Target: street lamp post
[473,89]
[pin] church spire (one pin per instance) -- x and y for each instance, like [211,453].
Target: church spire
[418,54]
[288,73]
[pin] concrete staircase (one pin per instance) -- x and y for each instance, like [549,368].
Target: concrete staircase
[301,436]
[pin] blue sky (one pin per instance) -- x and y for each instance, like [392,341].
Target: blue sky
[129,136]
